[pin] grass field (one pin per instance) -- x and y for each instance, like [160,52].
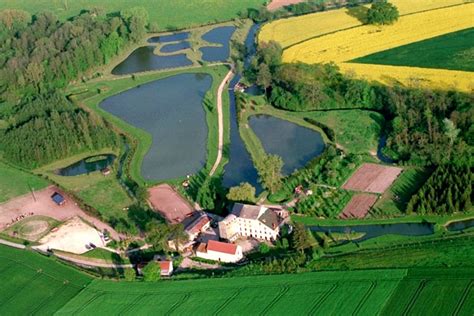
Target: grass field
[33,284]
[454,51]
[14,182]
[291,31]
[168,14]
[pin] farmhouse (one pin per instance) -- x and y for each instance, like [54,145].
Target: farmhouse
[251,221]
[220,251]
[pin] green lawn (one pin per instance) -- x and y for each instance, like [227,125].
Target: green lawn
[14,182]
[453,51]
[168,14]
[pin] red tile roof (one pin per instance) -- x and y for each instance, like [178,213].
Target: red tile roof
[165,265]
[223,247]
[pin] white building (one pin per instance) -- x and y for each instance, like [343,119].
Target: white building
[252,221]
[220,251]
[166,268]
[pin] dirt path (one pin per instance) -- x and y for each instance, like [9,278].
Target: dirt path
[277,4]
[220,117]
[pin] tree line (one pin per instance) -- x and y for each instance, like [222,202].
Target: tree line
[39,57]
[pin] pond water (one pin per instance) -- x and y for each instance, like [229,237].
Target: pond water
[295,144]
[371,231]
[143,59]
[172,48]
[219,35]
[87,165]
[169,38]
[382,143]
[171,111]
[460,225]
[240,167]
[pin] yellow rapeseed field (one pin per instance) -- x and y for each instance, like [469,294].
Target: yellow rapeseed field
[413,76]
[368,39]
[295,30]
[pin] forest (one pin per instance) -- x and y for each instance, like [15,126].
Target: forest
[40,56]
[447,191]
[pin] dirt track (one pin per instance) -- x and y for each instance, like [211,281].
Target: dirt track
[166,201]
[41,204]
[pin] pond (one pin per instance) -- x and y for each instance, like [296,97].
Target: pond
[371,231]
[87,165]
[460,225]
[169,38]
[176,47]
[295,144]
[240,167]
[143,59]
[171,111]
[219,35]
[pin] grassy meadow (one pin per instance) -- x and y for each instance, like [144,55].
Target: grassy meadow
[14,182]
[453,51]
[167,14]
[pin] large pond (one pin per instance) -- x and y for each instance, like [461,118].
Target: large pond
[171,111]
[219,35]
[371,231]
[87,165]
[143,59]
[240,167]
[295,144]
[460,225]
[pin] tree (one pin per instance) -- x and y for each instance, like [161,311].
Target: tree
[382,12]
[151,272]
[178,235]
[450,130]
[245,192]
[158,234]
[302,238]
[142,194]
[264,76]
[269,171]
[206,195]
[263,248]
[137,20]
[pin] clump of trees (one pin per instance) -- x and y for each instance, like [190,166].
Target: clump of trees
[447,191]
[244,192]
[269,170]
[39,56]
[382,12]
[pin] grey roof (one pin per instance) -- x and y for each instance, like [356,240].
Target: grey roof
[270,219]
[246,211]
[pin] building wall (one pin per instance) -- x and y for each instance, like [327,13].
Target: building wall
[246,228]
[222,257]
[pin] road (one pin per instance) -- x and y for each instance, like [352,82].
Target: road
[220,117]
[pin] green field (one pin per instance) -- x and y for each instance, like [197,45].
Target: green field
[168,14]
[453,51]
[14,182]
[33,284]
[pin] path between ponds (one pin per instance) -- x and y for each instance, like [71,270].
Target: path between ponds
[220,117]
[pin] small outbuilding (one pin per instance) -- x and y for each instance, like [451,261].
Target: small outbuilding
[58,199]
[220,251]
[166,268]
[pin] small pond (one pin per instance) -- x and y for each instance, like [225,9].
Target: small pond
[171,111]
[143,59]
[382,157]
[220,35]
[240,167]
[176,47]
[87,165]
[460,225]
[371,231]
[169,38]
[295,144]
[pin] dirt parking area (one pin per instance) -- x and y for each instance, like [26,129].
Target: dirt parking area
[372,178]
[277,4]
[73,236]
[359,206]
[172,206]
[41,203]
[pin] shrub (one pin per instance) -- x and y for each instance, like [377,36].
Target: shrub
[382,12]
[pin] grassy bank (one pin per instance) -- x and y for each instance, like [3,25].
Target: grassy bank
[168,15]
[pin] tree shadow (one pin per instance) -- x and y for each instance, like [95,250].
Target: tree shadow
[359,12]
